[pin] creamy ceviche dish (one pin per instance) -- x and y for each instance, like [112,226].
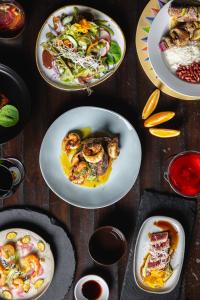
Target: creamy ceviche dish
[181,44]
[87,159]
[26,264]
[79,48]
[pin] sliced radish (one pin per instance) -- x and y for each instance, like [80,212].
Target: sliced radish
[106,48]
[52,30]
[84,80]
[105,35]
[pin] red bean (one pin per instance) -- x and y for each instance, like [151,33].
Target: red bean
[190,73]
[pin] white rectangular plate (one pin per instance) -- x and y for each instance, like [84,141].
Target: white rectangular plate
[142,248]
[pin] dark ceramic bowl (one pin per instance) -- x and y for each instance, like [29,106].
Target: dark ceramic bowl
[14,88]
[107,245]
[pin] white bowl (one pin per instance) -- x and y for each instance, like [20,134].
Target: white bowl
[142,248]
[49,75]
[125,168]
[47,254]
[159,28]
[78,288]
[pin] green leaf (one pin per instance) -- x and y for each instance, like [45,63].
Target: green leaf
[110,60]
[9,116]
[76,14]
[91,178]
[50,36]
[115,51]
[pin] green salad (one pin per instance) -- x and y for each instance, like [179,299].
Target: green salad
[79,48]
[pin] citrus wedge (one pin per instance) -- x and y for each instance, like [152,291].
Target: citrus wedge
[151,104]
[164,133]
[159,118]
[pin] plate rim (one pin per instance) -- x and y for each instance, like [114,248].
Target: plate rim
[118,198]
[166,69]
[53,259]
[54,221]
[77,88]
[136,245]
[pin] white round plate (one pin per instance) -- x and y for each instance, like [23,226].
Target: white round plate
[49,75]
[142,248]
[125,168]
[159,28]
[78,288]
[46,254]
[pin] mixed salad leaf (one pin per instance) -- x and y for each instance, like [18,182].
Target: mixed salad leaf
[9,114]
[79,48]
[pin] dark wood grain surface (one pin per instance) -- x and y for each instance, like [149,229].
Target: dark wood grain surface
[126,92]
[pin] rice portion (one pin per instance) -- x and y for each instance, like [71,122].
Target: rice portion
[186,55]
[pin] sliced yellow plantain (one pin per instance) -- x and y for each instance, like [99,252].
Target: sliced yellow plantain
[11,235]
[41,246]
[151,104]
[26,239]
[38,283]
[7,295]
[159,118]
[164,133]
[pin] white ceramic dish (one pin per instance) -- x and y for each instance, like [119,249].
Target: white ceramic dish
[159,28]
[142,248]
[125,168]
[48,267]
[49,75]
[78,288]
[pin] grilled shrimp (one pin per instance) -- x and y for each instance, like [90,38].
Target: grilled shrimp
[2,276]
[31,263]
[79,173]
[75,159]
[93,153]
[71,141]
[113,148]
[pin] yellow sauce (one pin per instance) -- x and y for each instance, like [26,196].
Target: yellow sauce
[66,164]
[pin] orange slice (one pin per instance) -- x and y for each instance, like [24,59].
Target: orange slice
[159,118]
[164,133]
[151,104]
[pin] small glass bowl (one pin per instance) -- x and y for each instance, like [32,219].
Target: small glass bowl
[167,177]
[12,33]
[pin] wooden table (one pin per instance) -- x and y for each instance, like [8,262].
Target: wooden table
[126,92]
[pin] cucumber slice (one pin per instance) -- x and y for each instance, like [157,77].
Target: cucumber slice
[66,20]
[106,27]
[84,42]
[67,75]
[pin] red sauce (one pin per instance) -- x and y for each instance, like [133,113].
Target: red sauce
[173,234]
[12,18]
[184,174]
[91,290]
[47,59]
